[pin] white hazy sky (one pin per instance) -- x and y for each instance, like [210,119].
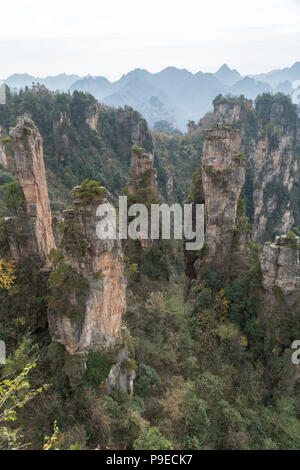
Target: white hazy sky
[112,37]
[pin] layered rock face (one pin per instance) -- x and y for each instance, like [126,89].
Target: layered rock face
[92,116]
[3,157]
[128,130]
[223,176]
[275,176]
[120,377]
[271,141]
[280,264]
[91,318]
[142,172]
[226,113]
[143,188]
[281,283]
[30,234]
[63,118]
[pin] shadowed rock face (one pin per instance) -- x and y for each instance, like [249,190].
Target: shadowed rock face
[275,173]
[100,265]
[3,157]
[223,176]
[271,141]
[142,172]
[227,113]
[35,224]
[280,278]
[120,377]
[280,264]
[92,116]
[129,129]
[143,177]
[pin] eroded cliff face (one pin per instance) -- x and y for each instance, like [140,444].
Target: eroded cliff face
[92,116]
[223,176]
[90,316]
[63,118]
[142,173]
[30,233]
[3,157]
[281,283]
[280,264]
[227,113]
[128,129]
[142,187]
[276,172]
[271,141]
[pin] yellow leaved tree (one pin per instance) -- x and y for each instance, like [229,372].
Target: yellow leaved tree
[7,274]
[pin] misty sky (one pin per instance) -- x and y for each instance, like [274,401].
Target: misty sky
[112,37]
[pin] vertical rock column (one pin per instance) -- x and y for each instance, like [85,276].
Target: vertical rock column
[143,187]
[223,176]
[142,172]
[91,313]
[92,116]
[30,233]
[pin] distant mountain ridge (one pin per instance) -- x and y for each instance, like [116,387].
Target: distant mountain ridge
[61,82]
[174,95]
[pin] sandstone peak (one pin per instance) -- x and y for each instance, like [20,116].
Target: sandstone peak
[223,176]
[29,168]
[142,172]
[90,317]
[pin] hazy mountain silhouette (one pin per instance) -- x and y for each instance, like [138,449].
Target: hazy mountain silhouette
[60,82]
[174,95]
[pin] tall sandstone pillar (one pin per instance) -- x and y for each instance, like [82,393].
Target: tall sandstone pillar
[30,233]
[223,176]
[91,313]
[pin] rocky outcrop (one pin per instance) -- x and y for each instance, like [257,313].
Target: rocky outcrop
[281,283]
[227,113]
[92,116]
[128,129]
[63,118]
[271,140]
[121,377]
[275,177]
[280,264]
[223,176]
[30,233]
[3,157]
[170,183]
[142,173]
[142,187]
[91,312]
